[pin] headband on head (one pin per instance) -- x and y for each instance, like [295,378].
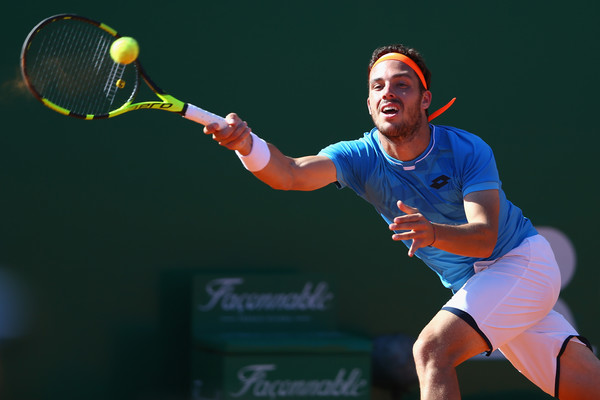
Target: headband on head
[406,60]
[413,65]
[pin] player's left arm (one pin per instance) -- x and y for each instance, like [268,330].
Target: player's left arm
[476,238]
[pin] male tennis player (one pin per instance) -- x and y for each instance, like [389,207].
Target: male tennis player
[438,189]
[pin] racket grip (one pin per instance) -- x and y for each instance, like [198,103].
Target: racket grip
[203,117]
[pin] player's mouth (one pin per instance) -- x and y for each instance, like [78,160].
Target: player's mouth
[390,110]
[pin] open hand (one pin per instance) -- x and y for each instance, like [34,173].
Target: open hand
[416,227]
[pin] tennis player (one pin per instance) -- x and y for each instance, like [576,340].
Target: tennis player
[438,189]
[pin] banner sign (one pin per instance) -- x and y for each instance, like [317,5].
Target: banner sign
[262,302]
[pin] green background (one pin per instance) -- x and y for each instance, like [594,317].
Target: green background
[103,223]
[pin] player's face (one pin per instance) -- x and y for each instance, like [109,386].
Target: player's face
[395,101]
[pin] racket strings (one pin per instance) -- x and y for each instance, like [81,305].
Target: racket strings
[68,63]
[111,87]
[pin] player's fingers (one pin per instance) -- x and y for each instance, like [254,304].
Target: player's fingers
[233,119]
[211,128]
[406,208]
[236,129]
[237,137]
[413,249]
[417,241]
[408,219]
[241,139]
[422,235]
[399,236]
[219,133]
[238,125]
[406,235]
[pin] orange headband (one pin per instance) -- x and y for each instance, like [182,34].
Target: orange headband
[408,61]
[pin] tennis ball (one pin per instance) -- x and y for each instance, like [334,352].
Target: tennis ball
[124,50]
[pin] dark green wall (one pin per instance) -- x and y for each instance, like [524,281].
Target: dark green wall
[104,222]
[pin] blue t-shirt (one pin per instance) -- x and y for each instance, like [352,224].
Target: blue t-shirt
[454,164]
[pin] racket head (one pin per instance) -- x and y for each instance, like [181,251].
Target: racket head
[66,64]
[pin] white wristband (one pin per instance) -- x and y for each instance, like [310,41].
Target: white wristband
[259,156]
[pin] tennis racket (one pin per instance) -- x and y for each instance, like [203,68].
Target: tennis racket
[66,64]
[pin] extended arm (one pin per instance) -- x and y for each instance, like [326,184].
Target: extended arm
[476,238]
[280,171]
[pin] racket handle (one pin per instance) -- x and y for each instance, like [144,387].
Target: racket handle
[203,117]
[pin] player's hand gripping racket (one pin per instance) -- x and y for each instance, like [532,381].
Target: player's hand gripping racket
[66,64]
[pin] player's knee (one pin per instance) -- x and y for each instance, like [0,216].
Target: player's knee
[428,351]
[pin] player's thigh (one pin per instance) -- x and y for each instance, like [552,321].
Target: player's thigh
[448,339]
[579,376]
[539,353]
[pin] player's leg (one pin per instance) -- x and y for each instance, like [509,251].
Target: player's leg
[552,356]
[444,343]
[502,300]
[579,373]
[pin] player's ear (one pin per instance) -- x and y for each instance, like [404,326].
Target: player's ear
[426,100]
[369,106]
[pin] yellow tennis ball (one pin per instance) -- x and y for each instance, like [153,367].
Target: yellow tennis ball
[124,50]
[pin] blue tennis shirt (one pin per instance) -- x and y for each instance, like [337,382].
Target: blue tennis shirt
[454,164]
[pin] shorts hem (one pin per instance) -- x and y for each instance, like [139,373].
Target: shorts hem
[465,316]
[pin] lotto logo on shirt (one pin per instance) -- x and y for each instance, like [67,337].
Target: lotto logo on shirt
[439,182]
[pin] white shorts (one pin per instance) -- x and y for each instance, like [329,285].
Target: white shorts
[509,302]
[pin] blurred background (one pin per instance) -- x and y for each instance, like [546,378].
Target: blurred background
[103,224]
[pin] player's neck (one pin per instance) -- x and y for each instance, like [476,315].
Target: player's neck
[407,148]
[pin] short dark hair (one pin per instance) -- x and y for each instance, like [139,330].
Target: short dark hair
[407,51]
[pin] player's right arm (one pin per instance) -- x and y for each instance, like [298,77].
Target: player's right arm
[281,172]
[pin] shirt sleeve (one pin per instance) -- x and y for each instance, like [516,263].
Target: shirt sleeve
[351,159]
[479,170]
